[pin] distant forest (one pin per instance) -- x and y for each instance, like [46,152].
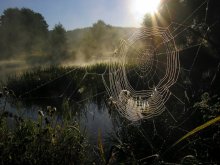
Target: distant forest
[25,36]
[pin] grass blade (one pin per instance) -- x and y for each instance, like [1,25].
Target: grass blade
[100,146]
[197,129]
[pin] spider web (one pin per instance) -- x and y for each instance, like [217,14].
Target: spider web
[138,58]
[153,56]
[146,78]
[143,73]
[142,70]
[146,65]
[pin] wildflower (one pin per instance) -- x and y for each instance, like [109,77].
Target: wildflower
[11,92]
[81,90]
[40,112]
[49,108]
[5,89]
[54,109]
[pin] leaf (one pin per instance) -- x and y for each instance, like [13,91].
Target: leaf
[100,145]
[197,129]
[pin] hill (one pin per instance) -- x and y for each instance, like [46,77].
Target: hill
[96,42]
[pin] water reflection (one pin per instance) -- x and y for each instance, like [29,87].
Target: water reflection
[91,114]
[96,119]
[86,102]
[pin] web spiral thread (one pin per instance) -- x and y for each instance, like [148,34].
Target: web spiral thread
[139,76]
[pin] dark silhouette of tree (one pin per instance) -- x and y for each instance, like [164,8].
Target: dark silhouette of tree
[99,39]
[58,43]
[22,32]
[199,21]
[98,29]
[147,21]
[178,12]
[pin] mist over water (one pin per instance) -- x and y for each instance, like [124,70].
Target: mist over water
[27,44]
[69,72]
[12,67]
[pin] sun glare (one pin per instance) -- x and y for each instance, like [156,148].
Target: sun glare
[141,7]
[145,6]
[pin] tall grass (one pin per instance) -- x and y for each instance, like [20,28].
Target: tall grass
[25,141]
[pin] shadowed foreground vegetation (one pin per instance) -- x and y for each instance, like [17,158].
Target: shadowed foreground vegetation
[45,141]
[187,132]
[58,82]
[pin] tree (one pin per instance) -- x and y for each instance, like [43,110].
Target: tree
[194,23]
[98,29]
[58,43]
[22,32]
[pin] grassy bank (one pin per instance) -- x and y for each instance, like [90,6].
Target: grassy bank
[176,136]
[44,141]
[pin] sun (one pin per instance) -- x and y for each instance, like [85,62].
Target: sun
[145,6]
[141,7]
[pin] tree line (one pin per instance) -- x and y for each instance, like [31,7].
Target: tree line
[24,33]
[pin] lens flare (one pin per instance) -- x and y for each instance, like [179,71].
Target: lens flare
[139,8]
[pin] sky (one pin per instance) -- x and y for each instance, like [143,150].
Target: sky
[74,14]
